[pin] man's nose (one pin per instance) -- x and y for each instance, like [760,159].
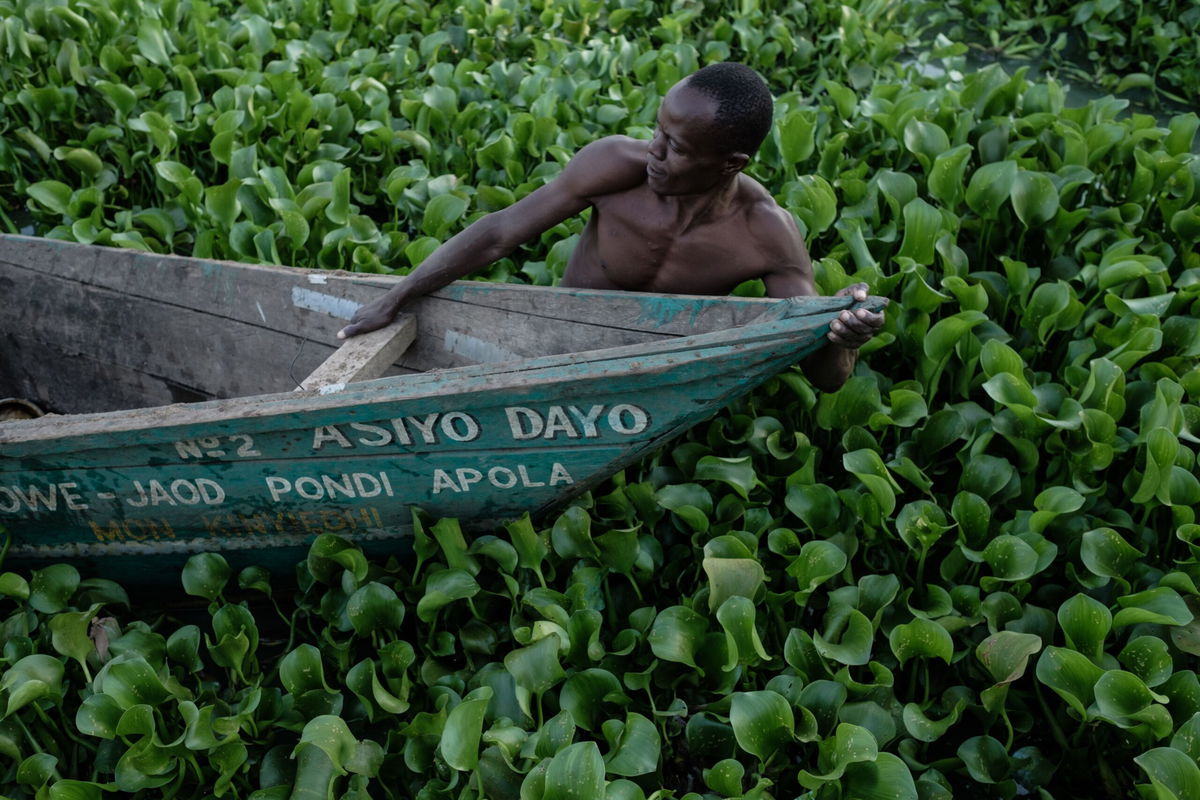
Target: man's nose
[657,147]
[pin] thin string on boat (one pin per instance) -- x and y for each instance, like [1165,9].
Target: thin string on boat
[292,366]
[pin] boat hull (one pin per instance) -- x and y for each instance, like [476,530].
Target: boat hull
[259,477]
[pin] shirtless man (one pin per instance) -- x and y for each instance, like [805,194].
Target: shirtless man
[675,215]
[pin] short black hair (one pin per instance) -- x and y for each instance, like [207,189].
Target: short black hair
[744,105]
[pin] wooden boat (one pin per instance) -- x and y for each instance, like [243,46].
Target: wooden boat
[177,427]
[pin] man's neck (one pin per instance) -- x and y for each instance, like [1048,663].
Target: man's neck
[694,209]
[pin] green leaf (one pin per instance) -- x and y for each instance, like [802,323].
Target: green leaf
[576,772]
[730,577]
[634,746]
[205,575]
[373,608]
[535,668]
[51,588]
[54,195]
[869,468]
[990,186]
[737,616]
[13,585]
[817,562]
[885,778]
[32,678]
[1105,553]
[442,212]
[1034,198]
[921,638]
[946,177]
[1159,606]
[464,725]
[332,736]
[762,722]
[1071,675]
[1173,774]
[854,646]
[1086,623]
[676,634]
[922,224]
[985,759]
[69,634]
[738,473]
[925,139]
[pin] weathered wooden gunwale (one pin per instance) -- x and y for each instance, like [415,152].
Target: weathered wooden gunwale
[573,385]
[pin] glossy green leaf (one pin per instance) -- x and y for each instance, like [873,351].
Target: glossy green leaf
[1161,606]
[575,772]
[1173,774]
[985,759]
[1071,675]
[205,575]
[1086,623]
[1034,198]
[460,738]
[921,638]
[51,588]
[676,634]
[946,178]
[762,722]
[634,746]
[743,645]
[990,186]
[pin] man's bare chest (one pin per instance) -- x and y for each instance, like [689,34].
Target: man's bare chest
[640,247]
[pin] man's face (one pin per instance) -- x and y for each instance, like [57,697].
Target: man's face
[680,159]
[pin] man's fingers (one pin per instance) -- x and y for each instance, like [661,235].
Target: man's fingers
[854,329]
[353,329]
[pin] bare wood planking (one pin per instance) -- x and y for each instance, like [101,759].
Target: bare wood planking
[245,292]
[364,357]
[64,321]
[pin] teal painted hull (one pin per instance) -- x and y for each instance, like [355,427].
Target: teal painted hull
[257,478]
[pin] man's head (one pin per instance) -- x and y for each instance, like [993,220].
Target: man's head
[744,105]
[709,126]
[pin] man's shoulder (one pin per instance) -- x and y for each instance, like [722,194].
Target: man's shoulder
[608,165]
[766,221]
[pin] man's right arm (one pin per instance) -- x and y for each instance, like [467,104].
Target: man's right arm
[604,166]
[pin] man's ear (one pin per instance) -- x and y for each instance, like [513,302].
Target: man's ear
[735,163]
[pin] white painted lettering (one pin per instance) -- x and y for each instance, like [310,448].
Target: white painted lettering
[72,498]
[309,488]
[278,487]
[189,448]
[185,491]
[381,435]
[442,480]
[332,486]
[467,477]
[401,432]
[211,492]
[502,477]
[638,419]
[329,433]
[559,474]
[460,427]
[525,479]
[557,422]
[425,427]
[588,421]
[8,501]
[525,423]
[367,485]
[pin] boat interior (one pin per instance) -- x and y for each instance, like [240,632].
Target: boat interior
[94,329]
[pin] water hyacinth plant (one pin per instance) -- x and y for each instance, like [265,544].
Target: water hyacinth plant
[971,571]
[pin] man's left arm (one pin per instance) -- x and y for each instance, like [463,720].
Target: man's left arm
[792,275]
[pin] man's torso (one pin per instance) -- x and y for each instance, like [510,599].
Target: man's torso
[633,241]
